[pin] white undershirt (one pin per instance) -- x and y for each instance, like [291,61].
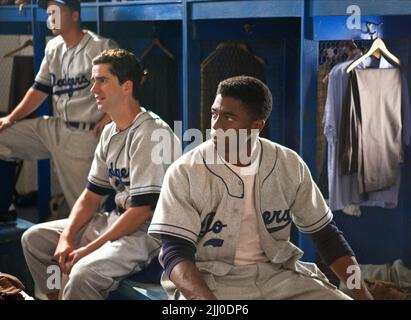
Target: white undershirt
[249,250]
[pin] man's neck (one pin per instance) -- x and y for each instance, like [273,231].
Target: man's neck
[73,37]
[126,115]
[243,158]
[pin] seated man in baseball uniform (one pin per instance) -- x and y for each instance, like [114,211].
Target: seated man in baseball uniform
[225,211]
[98,249]
[70,136]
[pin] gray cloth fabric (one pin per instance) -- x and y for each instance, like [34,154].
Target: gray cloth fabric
[396,273]
[265,281]
[124,160]
[371,128]
[344,188]
[70,149]
[96,274]
[380,143]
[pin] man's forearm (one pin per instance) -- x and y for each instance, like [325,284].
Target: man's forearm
[126,224]
[345,267]
[189,280]
[31,101]
[81,213]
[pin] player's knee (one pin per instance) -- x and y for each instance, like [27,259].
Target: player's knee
[5,152]
[30,237]
[81,274]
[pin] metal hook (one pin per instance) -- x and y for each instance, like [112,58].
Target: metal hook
[154,30]
[248,29]
[369,24]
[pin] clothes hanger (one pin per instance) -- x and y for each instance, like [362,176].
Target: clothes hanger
[377,49]
[25,45]
[244,47]
[157,43]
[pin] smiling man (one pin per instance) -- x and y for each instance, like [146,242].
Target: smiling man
[70,136]
[98,249]
[224,216]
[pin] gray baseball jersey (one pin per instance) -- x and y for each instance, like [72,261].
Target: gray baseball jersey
[123,161]
[201,202]
[65,73]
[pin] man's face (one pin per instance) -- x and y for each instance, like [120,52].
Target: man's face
[106,89]
[229,113]
[60,18]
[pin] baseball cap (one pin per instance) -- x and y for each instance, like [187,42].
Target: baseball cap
[74,4]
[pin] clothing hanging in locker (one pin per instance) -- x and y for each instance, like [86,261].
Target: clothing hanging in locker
[228,60]
[331,53]
[22,78]
[344,189]
[159,90]
[370,130]
[22,75]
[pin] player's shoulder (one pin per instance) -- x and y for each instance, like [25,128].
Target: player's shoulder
[108,131]
[148,122]
[194,160]
[54,44]
[282,153]
[95,38]
[94,43]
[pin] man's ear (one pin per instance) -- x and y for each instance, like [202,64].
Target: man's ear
[128,86]
[75,15]
[258,124]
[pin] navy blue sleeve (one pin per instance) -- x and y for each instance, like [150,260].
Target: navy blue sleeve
[41,87]
[331,243]
[175,250]
[97,189]
[149,199]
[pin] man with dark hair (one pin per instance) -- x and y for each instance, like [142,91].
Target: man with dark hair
[224,216]
[70,136]
[98,249]
[124,66]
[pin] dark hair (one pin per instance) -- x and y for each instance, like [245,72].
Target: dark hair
[253,93]
[124,65]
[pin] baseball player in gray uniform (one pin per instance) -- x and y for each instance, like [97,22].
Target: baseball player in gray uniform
[98,249]
[225,223]
[69,137]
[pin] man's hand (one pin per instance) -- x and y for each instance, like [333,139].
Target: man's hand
[6,122]
[341,266]
[76,255]
[101,124]
[363,293]
[64,248]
